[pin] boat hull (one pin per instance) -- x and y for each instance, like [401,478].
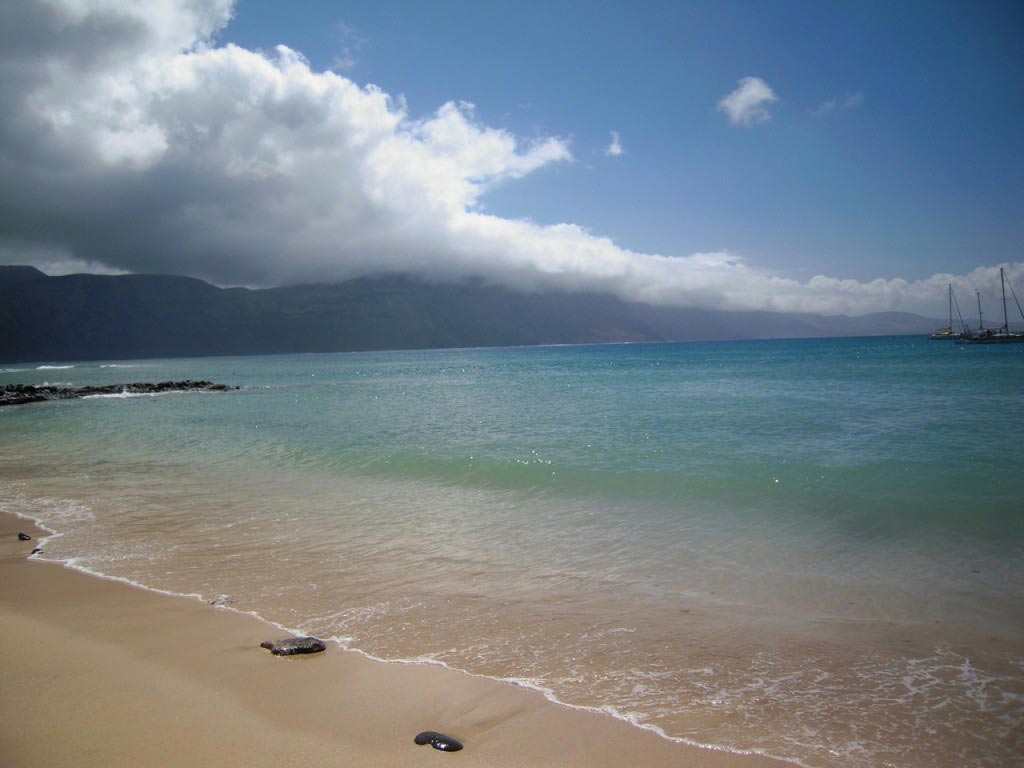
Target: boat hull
[996,338]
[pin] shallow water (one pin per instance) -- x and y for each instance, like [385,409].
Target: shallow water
[807,548]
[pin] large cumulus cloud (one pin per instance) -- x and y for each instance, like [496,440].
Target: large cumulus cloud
[130,140]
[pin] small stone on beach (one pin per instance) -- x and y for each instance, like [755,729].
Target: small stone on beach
[294,645]
[24,537]
[37,551]
[221,600]
[438,741]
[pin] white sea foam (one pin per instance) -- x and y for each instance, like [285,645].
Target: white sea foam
[125,395]
[634,719]
[75,565]
[57,511]
[127,365]
[53,367]
[73,511]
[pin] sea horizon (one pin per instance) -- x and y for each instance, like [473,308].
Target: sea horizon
[42,364]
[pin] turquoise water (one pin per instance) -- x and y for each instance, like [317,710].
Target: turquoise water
[808,548]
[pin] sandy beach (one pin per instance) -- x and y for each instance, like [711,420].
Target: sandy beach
[99,673]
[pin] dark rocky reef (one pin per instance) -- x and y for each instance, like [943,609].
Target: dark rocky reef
[294,645]
[438,741]
[19,394]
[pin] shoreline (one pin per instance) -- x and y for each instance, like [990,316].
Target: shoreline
[103,672]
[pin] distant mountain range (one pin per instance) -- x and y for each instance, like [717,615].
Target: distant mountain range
[102,317]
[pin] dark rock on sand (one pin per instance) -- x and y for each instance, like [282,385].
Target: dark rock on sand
[294,645]
[438,741]
[19,394]
[37,551]
[24,537]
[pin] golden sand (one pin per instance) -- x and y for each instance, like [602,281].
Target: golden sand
[98,673]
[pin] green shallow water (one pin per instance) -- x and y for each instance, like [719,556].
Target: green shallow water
[811,548]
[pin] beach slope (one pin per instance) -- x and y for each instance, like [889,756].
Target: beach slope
[98,673]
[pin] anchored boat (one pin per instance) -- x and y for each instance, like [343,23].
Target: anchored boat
[1002,334]
[947,333]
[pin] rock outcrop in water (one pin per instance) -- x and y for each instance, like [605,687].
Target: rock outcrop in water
[294,645]
[438,741]
[19,394]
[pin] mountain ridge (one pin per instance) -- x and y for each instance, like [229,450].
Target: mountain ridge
[110,317]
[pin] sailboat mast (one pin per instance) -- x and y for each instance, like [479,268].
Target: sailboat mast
[951,306]
[981,322]
[1002,283]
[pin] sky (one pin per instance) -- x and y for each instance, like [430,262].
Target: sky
[789,156]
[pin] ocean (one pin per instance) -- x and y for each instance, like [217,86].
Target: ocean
[811,549]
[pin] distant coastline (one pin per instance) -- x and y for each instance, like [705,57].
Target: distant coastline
[128,317]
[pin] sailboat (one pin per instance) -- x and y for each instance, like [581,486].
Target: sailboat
[1002,334]
[947,333]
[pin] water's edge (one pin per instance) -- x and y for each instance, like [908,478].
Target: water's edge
[345,647]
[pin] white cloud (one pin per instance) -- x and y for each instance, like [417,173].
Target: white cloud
[52,261]
[849,101]
[130,141]
[852,100]
[615,148]
[350,41]
[748,104]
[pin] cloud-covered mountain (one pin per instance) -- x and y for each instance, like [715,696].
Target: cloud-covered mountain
[81,317]
[130,140]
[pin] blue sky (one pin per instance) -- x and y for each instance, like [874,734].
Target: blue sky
[801,157]
[924,173]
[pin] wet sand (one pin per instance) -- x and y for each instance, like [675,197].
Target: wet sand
[98,673]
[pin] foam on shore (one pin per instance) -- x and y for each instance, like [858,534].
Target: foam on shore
[344,643]
[155,671]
